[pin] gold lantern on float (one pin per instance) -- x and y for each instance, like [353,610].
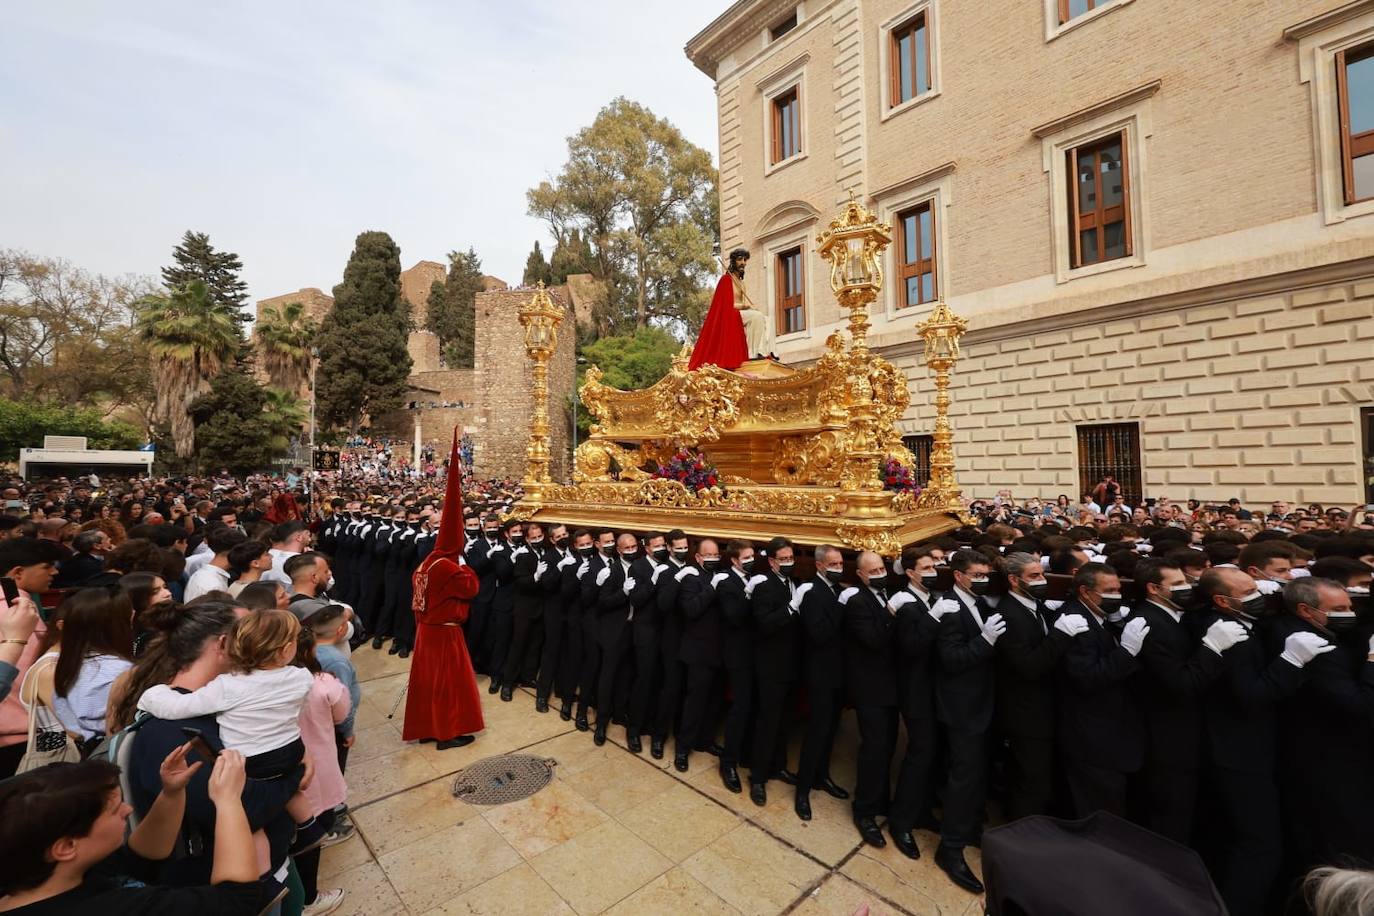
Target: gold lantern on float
[540,316]
[941,333]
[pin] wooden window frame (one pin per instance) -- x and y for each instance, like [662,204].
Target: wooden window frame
[780,102]
[1353,146]
[784,25]
[907,269]
[921,446]
[1127,469]
[920,21]
[1100,217]
[1065,17]
[784,303]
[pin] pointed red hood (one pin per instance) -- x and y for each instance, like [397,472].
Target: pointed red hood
[450,541]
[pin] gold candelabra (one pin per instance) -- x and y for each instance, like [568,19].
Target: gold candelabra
[854,246]
[540,317]
[941,333]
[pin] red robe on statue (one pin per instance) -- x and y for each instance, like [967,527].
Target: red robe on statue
[443,701]
[721,341]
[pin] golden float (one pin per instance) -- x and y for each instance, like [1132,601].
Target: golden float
[799,452]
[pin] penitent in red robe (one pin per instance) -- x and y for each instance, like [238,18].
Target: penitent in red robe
[721,341]
[442,701]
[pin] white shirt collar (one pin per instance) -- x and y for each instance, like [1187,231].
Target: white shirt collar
[1177,615]
[1027,603]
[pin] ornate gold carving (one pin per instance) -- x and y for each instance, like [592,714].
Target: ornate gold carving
[809,460]
[698,406]
[594,458]
[878,540]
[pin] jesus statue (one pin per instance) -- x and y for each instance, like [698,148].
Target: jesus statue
[735,329]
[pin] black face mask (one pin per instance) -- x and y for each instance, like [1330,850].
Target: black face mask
[560,543]
[680,556]
[587,552]
[785,569]
[711,565]
[833,576]
[1109,604]
[747,566]
[608,550]
[516,538]
[661,554]
[928,580]
[1037,590]
[878,581]
[1181,595]
[491,535]
[1342,623]
[978,587]
[536,542]
[630,556]
[1256,605]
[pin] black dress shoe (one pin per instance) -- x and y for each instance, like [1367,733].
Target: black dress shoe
[395,648]
[833,789]
[951,862]
[506,694]
[599,736]
[404,653]
[758,793]
[633,743]
[460,741]
[378,642]
[868,829]
[715,750]
[680,762]
[730,776]
[541,704]
[494,686]
[802,805]
[656,748]
[582,724]
[565,711]
[785,777]
[905,842]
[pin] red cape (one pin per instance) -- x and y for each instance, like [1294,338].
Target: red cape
[721,341]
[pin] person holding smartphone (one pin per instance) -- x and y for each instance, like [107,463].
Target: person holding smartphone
[18,620]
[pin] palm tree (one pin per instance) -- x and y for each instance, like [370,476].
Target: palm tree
[190,339]
[285,416]
[286,336]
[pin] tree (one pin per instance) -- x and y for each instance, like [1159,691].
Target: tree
[286,337]
[23,424]
[452,314]
[573,255]
[628,362]
[67,335]
[364,362]
[190,337]
[232,426]
[537,269]
[285,416]
[197,259]
[644,197]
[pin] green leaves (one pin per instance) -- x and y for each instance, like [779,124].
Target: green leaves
[197,259]
[452,312]
[23,424]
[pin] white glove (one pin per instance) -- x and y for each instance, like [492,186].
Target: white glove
[1223,634]
[900,600]
[942,607]
[629,585]
[460,561]
[1071,624]
[1268,586]
[540,569]
[1301,647]
[583,568]
[658,571]
[602,576]
[569,560]
[1133,637]
[994,627]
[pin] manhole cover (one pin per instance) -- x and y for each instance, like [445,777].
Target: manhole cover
[508,778]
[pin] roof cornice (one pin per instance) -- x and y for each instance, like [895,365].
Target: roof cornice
[744,20]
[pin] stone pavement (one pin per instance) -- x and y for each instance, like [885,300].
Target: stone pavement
[614,832]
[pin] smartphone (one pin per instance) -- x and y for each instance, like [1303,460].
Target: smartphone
[10,588]
[199,744]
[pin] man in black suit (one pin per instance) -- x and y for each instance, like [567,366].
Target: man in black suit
[871,684]
[737,637]
[1241,713]
[624,585]
[963,702]
[530,568]
[1027,656]
[822,621]
[1101,736]
[88,560]
[777,631]
[700,650]
[588,572]
[1327,731]
[479,553]
[501,623]
[645,634]
[918,611]
[560,587]
[571,659]
[669,700]
[1179,673]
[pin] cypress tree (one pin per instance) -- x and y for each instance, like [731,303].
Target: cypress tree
[452,313]
[364,363]
[197,259]
[536,268]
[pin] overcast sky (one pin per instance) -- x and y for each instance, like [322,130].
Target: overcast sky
[284,129]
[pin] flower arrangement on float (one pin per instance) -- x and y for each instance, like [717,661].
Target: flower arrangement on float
[691,468]
[897,477]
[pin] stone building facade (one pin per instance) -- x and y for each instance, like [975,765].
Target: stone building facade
[490,402]
[1165,257]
